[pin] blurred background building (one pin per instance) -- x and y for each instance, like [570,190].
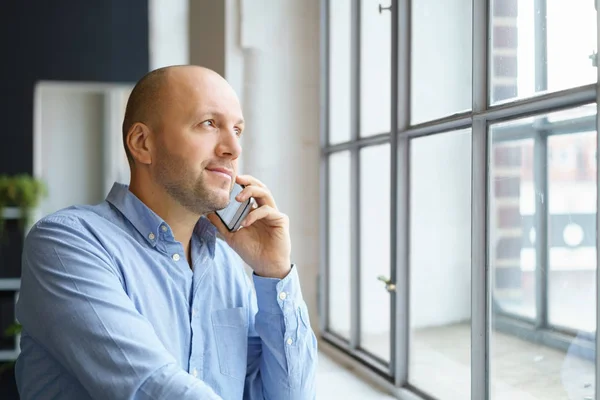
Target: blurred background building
[437,158]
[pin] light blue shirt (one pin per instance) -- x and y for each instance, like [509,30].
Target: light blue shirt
[110,309]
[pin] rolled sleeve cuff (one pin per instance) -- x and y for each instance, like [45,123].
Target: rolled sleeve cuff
[275,295]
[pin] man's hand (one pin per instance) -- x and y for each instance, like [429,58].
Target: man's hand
[263,242]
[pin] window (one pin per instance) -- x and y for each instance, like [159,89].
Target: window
[542,250]
[461,192]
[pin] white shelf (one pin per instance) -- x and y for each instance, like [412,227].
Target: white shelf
[10,284]
[8,355]
[11,213]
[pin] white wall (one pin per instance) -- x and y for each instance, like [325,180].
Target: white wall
[234,52]
[168,32]
[78,150]
[72,130]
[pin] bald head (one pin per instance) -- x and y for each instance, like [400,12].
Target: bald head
[158,89]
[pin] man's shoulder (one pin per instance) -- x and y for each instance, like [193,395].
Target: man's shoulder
[80,217]
[74,230]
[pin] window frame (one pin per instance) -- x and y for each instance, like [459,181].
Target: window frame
[484,113]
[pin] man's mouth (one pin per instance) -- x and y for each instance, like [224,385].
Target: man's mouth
[222,172]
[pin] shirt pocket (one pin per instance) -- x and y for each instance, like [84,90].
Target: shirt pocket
[230,327]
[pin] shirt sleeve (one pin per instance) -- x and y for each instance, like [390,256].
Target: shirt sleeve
[72,303]
[282,353]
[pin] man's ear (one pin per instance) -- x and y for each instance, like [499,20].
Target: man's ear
[139,141]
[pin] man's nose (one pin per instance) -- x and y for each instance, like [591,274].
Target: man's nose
[229,145]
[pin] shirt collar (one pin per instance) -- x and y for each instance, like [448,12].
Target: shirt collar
[148,223]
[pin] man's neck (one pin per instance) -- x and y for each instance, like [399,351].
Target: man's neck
[181,220]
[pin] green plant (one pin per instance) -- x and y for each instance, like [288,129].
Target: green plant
[11,331]
[21,191]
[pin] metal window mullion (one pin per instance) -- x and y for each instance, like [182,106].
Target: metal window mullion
[521,108]
[540,165]
[453,123]
[540,169]
[399,257]
[324,270]
[480,279]
[355,176]
[362,142]
[355,249]
[355,69]
[543,103]
[323,292]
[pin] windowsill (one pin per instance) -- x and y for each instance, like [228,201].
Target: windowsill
[440,364]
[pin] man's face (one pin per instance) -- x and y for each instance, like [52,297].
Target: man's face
[197,140]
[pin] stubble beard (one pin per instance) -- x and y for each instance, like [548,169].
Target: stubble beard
[190,191]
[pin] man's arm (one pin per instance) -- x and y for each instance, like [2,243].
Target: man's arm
[282,353]
[73,304]
[282,357]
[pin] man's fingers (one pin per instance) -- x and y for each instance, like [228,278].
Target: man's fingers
[267,213]
[261,194]
[247,180]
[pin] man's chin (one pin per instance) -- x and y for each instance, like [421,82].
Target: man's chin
[221,200]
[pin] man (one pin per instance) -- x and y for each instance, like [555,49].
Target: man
[136,298]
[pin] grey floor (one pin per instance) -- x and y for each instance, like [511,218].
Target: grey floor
[519,369]
[336,382]
[440,366]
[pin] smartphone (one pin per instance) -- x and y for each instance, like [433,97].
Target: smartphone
[233,215]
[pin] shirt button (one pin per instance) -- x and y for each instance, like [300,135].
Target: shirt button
[195,373]
[282,295]
[164,228]
[193,312]
[175,257]
[290,341]
[151,236]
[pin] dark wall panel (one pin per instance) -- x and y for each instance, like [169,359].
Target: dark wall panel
[61,40]
[72,40]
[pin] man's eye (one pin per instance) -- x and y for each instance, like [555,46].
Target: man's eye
[238,132]
[208,123]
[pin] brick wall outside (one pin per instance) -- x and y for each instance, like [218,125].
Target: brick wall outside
[507,158]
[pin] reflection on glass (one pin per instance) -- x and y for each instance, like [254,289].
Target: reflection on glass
[572,193]
[440,265]
[535,42]
[339,71]
[512,232]
[441,59]
[528,360]
[339,244]
[375,250]
[375,68]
